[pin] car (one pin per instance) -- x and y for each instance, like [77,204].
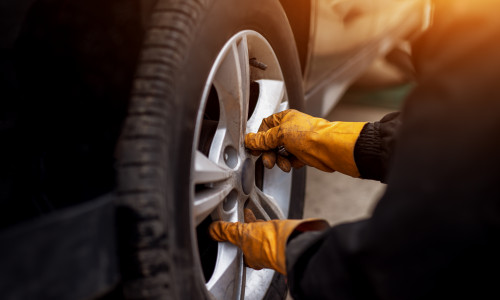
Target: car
[200,74]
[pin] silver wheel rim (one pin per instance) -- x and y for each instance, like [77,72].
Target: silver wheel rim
[227,173]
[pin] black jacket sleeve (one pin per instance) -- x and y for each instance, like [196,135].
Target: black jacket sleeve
[375,145]
[435,232]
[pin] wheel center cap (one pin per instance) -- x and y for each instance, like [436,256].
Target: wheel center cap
[247,176]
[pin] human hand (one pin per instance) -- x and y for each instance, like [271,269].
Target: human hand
[325,145]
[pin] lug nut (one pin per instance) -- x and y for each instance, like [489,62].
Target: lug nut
[255,63]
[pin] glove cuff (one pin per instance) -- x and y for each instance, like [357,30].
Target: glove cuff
[341,139]
[288,227]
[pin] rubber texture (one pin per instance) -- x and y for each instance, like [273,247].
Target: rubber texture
[159,258]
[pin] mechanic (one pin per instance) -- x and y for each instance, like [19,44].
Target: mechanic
[435,233]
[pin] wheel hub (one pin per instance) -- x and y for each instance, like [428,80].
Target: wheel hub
[247,176]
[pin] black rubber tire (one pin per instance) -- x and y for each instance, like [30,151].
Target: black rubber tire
[158,253]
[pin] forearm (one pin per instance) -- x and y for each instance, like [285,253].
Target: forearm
[374,147]
[320,265]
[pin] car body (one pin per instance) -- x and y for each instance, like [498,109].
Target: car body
[344,37]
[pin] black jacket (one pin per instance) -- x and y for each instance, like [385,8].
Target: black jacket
[435,233]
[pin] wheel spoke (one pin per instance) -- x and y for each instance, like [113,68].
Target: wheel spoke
[284,105]
[277,185]
[226,281]
[264,206]
[257,282]
[232,84]
[269,204]
[271,93]
[245,88]
[257,209]
[207,200]
[206,171]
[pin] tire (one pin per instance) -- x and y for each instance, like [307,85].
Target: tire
[176,113]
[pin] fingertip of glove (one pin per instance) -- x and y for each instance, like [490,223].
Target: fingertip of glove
[284,164]
[215,230]
[269,159]
[249,216]
[255,152]
[249,138]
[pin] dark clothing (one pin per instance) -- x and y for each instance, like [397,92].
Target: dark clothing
[435,234]
[374,147]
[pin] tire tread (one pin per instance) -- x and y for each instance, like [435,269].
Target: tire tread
[146,265]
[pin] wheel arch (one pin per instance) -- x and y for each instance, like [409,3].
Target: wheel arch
[297,12]
[299,17]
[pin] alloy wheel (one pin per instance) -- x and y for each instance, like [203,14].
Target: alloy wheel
[245,85]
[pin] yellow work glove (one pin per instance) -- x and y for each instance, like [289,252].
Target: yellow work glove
[263,242]
[328,146]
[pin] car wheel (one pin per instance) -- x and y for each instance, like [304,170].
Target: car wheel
[208,73]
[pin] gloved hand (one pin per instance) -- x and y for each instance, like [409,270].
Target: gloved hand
[263,242]
[328,146]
